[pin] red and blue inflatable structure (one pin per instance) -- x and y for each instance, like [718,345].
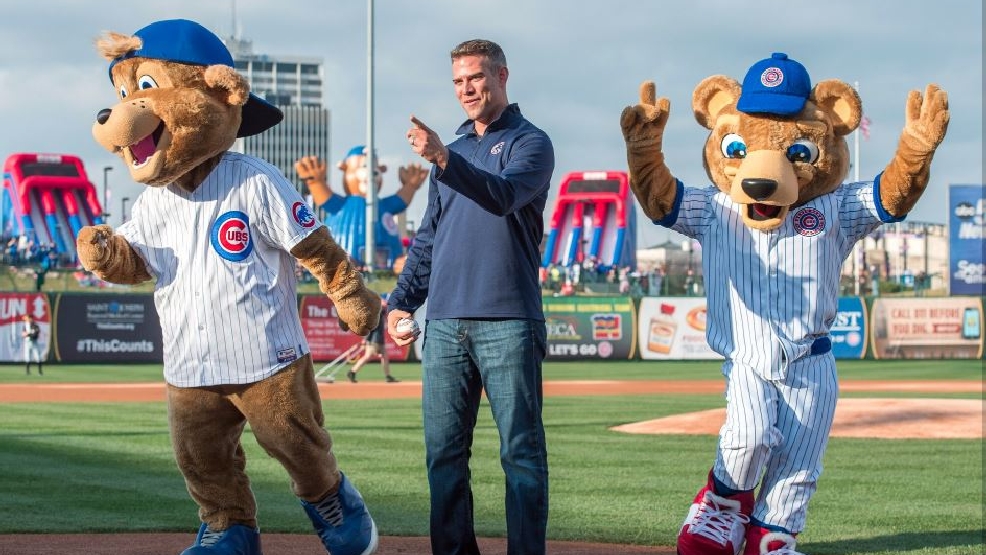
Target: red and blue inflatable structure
[48,198]
[594,216]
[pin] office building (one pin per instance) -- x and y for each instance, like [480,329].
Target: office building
[293,84]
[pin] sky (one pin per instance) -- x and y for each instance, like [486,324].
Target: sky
[574,65]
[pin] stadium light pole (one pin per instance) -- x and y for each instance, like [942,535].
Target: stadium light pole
[106,200]
[123,209]
[369,246]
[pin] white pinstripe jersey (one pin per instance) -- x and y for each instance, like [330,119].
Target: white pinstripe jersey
[771,294]
[225,280]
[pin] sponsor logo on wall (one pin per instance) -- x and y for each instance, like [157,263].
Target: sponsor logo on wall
[966,229]
[107,327]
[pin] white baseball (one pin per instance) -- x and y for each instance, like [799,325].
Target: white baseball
[407,325]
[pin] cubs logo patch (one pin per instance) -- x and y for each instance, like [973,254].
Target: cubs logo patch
[302,214]
[809,221]
[772,77]
[230,236]
[497,148]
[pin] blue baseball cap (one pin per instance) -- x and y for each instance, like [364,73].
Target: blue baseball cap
[360,150]
[187,42]
[777,85]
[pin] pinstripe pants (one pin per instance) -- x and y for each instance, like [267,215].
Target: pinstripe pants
[775,434]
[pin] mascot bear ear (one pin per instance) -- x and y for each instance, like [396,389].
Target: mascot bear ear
[841,103]
[711,96]
[224,77]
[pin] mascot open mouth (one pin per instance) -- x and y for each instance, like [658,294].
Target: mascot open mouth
[760,212]
[143,149]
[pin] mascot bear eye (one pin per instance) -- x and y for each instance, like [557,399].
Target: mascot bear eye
[803,151]
[146,82]
[733,146]
[123,91]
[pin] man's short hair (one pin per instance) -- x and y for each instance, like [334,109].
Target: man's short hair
[481,47]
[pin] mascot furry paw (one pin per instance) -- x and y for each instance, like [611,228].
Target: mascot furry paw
[775,228]
[220,233]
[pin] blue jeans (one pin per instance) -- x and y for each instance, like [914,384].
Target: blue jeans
[461,358]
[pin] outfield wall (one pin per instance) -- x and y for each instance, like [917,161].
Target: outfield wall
[124,327]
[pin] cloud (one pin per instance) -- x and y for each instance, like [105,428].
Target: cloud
[573,64]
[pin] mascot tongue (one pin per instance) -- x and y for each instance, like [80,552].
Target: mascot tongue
[766,210]
[143,149]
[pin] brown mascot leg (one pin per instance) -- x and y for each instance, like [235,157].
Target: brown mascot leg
[205,434]
[285,414]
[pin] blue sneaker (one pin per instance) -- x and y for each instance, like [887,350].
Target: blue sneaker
[342,522]
[235,540]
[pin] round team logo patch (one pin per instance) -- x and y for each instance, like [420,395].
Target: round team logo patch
[230,236]
[772,77]
[302,214]
[389,222]
[809,222]
[605,349]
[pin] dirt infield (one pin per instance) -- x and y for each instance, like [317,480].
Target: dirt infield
[885,418]
[869,417]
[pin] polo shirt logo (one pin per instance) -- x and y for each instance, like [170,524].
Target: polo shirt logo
[497,148]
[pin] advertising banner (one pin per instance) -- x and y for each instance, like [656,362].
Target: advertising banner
[107,327]
[673,328]
[923,327]
[585,328]
[326,339]
[13,308]
[966,223]
[848,331]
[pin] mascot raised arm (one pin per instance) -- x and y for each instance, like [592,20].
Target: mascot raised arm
[775,227]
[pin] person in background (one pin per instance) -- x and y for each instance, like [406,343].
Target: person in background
[32,350]
[374,346]
[484,220]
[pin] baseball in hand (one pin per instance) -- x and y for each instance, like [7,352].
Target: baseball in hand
[407,325]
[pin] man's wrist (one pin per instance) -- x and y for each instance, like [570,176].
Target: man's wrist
[441,160]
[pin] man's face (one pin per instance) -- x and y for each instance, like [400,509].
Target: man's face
[482,94]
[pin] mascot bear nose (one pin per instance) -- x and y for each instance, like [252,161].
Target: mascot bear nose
[757,188]
[103,115]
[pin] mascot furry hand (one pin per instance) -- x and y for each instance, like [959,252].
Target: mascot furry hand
[221,233]
[775,228]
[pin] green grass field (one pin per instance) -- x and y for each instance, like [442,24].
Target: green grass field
[71,468]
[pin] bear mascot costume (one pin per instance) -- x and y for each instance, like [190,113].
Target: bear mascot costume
[220,234]
[346,214]
[775,227]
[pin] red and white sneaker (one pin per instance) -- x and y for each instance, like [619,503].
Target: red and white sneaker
[715,525]
[761,541]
